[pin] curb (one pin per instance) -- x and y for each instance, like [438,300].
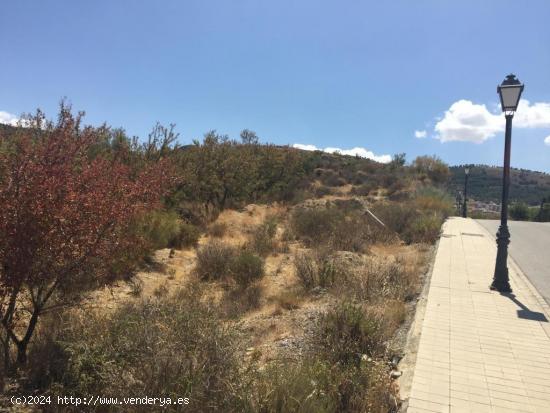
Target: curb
[408,362]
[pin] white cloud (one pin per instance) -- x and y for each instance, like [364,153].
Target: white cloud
[8,119]
[357,151]
[420,134]
[305,147]
[536,115]
[470,122]
[547,140]
[467,121]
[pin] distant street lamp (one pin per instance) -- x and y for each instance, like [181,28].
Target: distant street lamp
[465,205]
[510,92]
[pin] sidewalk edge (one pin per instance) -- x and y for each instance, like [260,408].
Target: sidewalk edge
[408,362]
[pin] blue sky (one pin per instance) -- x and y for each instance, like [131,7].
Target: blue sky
[339,74]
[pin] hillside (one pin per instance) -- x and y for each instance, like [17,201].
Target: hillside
[485,183]
[244,276]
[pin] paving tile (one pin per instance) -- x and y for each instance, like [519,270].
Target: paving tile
[475,354]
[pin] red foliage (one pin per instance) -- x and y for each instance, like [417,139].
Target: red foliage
[64,212]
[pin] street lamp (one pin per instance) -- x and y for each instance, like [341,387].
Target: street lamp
[510,92]
[465,205]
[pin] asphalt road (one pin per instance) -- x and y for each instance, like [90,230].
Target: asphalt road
[530,249]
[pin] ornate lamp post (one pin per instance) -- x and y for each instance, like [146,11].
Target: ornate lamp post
[465,205]
[510,92]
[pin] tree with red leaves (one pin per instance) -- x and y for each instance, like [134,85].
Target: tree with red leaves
[65,211]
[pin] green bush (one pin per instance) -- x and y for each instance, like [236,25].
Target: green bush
[423,228]
[160,228]
[187,237]
[246,268]
[214,260]
[519,212]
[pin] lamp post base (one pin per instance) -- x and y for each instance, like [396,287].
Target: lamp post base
[501,281]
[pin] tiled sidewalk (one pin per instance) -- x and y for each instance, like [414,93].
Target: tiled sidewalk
[480,351]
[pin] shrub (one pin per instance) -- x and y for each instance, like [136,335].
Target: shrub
[434,200]
[246,268]
[263,238]
[237,302]
[217,229]
[322,191]
[315,225]
[214,260]
[419,219]
[175,346]
[159,228]
[423,228]
[348,331]
[316,385]
[433,168]
[330,178]
[187,237]
[395,216]
[319,269]
[343,226]
[382,280]
[363,190]
[519,212]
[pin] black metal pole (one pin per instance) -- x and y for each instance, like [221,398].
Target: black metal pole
[501,281]
[465,206]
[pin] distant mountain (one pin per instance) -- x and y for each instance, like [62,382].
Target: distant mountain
[485,183]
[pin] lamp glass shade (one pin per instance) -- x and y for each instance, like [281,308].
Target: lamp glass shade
[509,97]
[467,171]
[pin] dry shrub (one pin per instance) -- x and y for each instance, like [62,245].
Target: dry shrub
[377,280]
[316,385]
[418,219]
[217,260]
[322,191]
[289,300]
[331,178]
[217,229]
[238,301]
[246,268]
[214,260]
[187,237]
[262,240]
[319,268]
[349,331]
[424,228]
[364,189]
[343,227]
[174,346]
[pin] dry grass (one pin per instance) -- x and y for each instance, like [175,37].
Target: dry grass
[217,229]
[361,303]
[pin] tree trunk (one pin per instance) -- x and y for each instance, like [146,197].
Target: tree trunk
[21,353]
[23,344]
